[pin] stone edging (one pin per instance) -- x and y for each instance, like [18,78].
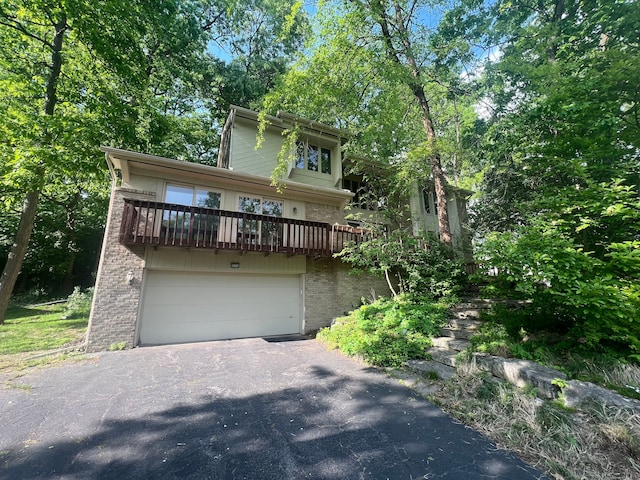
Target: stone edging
[551,383]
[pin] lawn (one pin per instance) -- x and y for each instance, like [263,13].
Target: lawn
[40,328]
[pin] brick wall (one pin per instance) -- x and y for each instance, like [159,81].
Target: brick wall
[317,212]
[116,303]
[319,293]
[352,288]
[331,292]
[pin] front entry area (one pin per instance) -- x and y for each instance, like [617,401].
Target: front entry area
[190,307]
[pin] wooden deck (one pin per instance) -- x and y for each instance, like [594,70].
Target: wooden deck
[171,225]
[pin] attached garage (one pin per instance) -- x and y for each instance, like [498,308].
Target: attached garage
[190,307]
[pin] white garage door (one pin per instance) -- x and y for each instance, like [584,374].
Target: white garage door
[189,307]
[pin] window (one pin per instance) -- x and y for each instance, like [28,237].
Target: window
[192,196]
[354,186]
[260,232]
[178,222]
[429,202]
[259,205]
[313,157]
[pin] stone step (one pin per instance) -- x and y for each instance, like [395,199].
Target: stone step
[463,329]
[459,333]
[444,356]
[476,302]
[425,368]
[465,313]
[451,343]
[485,303]
[464,324]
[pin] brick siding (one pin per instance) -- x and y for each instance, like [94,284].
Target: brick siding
[330,292]
[116,303]
[317,212]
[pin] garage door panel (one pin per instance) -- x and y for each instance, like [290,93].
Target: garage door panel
[184,307]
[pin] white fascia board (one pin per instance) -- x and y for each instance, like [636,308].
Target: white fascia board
[125,159]
[311,125]
[252,115]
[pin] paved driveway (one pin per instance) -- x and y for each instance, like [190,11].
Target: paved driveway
[241,409]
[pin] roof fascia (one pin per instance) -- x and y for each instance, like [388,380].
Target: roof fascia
[367,163]
[311,125]
[287,120]
[125,159]
[242,112]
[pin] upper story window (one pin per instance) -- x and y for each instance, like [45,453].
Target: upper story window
[357,187]
[313,157]
[429,202]
[365,197]
[192,196]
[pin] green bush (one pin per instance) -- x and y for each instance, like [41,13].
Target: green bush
[387,332]
[79,303]
[595,302]
[421,266]
[31,297]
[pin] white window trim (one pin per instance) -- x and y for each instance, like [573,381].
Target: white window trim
[195,188]
[320,146]
[262,199]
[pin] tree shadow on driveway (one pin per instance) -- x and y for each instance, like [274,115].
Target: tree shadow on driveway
[333,426]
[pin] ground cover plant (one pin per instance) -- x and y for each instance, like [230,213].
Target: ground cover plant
[389,331]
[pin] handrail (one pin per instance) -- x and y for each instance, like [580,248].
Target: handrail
[165,224]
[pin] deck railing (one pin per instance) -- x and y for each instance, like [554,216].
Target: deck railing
[164,224]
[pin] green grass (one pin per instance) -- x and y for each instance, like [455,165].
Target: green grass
[34,329]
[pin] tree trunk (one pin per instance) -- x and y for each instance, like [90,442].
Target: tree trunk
[30,206]
[415,84]
[18,251]
[436,166]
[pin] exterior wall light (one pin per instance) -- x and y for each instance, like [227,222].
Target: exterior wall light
[130,277]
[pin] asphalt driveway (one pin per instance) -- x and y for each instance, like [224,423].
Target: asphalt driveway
[241,409]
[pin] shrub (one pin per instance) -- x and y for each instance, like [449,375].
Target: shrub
[594,302]
[32,297]
[420,265]
[79,303]
[387,332]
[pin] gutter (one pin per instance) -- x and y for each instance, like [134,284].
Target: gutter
[122,159]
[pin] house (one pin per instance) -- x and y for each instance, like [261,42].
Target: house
[193,252]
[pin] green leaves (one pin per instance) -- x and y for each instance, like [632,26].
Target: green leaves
[137,75]
[387,332]
[422,266]
[595,300]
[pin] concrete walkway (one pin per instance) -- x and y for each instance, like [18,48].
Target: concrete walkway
[241,409]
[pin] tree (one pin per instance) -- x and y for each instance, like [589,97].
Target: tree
[71,81]
[370,66]
[260,36]
[559,200]
[565,116]
[52,39]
